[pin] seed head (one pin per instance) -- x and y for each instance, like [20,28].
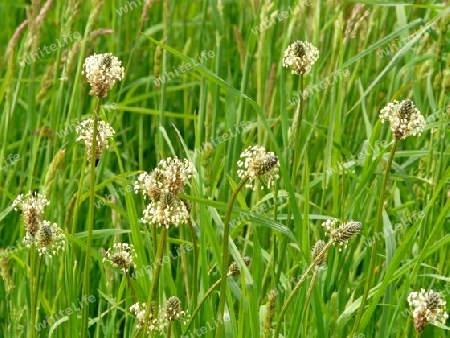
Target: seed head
[233,269]
[102,71]
[85,131]
[32,206]
[343,233]
[121,255]
[256,163]
[49,239]
[173,309]
[142,315]
[428,308]
[404,117]
[300,56]
[170,176]
[317,256]
[169,210]
[270,312]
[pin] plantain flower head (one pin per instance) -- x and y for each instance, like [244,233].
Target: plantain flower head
[404,117]
[258,164]
[85,131]
[341,234]
[121,255]
[49,239]
[102,71]
[300,56]
[428,308]
[33,207]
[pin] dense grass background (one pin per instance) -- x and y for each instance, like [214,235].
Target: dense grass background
[333,171]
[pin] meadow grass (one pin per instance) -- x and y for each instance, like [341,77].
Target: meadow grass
[203,81]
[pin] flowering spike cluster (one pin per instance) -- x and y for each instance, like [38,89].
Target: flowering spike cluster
[171,313]
[428,308]
[257,163]
[85,131]
[233,269]
[102,71]
[300,56]
[316,256]
[163,186]
[47,236]
[32,206]
[142,316]
[173,309]
[404,117]
[342,233]
[49,239]
[121,255]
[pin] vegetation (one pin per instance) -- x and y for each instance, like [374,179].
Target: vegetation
[307,192]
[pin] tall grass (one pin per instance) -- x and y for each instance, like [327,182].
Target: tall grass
[234,95]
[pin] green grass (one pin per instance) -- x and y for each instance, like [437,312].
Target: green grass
[238,96]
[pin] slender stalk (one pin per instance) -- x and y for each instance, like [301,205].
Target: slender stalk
[378,228]
[34,293]
[210,290]
[225,255]
[87,265]
[297,130]
[133,291]
[169,330]
[308,297]
[195,272]
[297,287]
[155,277]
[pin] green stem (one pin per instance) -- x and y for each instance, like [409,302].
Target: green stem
[34,293]
[133,291]
[297,130]
[195,253]
[155,277]
[211,289]
[225,255]
[378,228]
[308,297]
[87,265]
[297,287]
[169,330]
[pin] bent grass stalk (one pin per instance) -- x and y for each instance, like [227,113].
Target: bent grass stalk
[210,290]
[378,226]
[225,254]
[87,267]
[308,297]
[297,287]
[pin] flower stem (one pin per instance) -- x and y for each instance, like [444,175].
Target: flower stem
[169,330]
[211,289]
[36,269]
[195,253]
[225,255]
[378,228]
[87,265]
[297,130]
[297,287]
[308,297]
[133,291]
[155,276]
